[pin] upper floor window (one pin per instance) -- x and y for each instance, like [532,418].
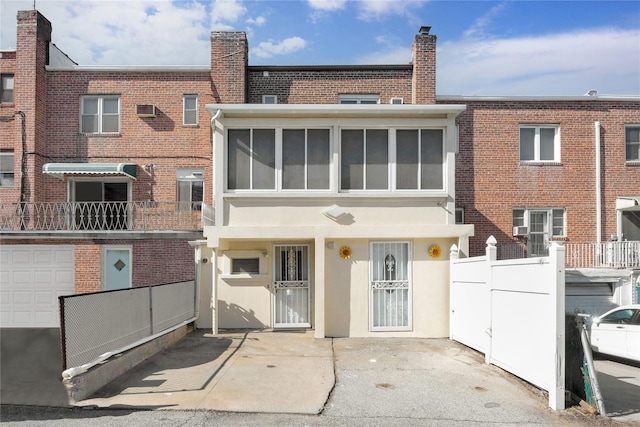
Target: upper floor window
[6,168]
[539,143]
[367,156]
[190,189]
[632,142]
[269,99]
[459,215]
[100,114]
[359,99]
[303,163]
[6,88]
[190,110]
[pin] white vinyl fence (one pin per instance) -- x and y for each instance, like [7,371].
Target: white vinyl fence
[513,312]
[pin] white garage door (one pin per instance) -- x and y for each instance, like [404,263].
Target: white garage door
[592,298]
[32,277]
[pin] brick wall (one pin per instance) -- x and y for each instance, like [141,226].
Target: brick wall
[323,85]
[491,181]
[229,58]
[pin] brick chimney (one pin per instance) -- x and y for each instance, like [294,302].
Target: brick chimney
[32,55]
[229,60]
[424,68]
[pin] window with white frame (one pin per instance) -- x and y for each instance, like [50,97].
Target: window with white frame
[539,143]
[359,99]
[6,88]
[302,162]
[632,142]
[367,157]
[190,110]
[7,173]
[364,159]
[539,226]
[190,189]
[100,114]
[459,215]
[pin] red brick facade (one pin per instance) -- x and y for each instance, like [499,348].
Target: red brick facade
[490,179]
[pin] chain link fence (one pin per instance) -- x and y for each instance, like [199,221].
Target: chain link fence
[105,322]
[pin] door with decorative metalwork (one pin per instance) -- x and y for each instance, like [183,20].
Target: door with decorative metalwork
[291,303]
[390,286]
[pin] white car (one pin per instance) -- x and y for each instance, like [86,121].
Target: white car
[617,332]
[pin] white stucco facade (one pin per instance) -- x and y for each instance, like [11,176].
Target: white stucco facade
[390,284]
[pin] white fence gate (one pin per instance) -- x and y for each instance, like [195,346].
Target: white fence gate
[513,311]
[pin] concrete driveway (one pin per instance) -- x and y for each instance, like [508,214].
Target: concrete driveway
[341,378]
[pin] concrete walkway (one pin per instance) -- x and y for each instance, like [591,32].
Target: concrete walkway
[279,372]
[342,378]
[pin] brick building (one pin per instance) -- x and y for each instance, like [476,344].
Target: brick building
[119,168]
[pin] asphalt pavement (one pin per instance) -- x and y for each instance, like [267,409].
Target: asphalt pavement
[291,378]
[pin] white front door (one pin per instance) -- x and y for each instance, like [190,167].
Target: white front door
[117,268]
[290,287]
[390,286]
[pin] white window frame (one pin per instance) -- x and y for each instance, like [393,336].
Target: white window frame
[628,144]
[536,147]
[392,162]
[358,99]
[459,213]
[186,110]
[269,99]
[100,114]
[8,163]
[190,175]
[278,170]
[522,217]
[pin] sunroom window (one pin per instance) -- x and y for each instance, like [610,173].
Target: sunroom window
[419,159]
[365,159]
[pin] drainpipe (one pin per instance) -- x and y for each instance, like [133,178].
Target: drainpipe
[598,187]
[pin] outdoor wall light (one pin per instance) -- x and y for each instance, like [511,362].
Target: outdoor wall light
[265,253]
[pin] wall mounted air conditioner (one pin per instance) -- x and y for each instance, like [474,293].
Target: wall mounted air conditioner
[396,101]
[146,110]
[520,231]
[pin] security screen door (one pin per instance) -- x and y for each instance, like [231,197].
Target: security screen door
[290,286]
[390,286]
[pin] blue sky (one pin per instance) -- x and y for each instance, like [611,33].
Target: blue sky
[484,47]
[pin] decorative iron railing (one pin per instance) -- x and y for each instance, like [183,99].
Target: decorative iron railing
[101,216]
[586,255]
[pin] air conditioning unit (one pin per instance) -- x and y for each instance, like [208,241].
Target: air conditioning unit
[396,101]
[520,231]
[146,110]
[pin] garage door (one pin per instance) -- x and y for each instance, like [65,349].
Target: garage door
[32,278]
[592,298]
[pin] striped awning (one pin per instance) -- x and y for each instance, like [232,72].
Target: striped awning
[60,170]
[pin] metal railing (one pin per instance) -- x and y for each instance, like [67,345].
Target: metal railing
[101,216]
[603,255]
[102,323]
[586,255]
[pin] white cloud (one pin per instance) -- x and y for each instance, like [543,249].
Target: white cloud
[552,64]
[126,32]
[392,51]
[258,21]
[327,5]
[370,10]
[479,26]
[227,10]
[286,46]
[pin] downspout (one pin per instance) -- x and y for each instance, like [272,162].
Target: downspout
[598,187]
[24,154]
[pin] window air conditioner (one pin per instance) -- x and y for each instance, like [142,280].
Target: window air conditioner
[146,110]
[396,101]
[520,231]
